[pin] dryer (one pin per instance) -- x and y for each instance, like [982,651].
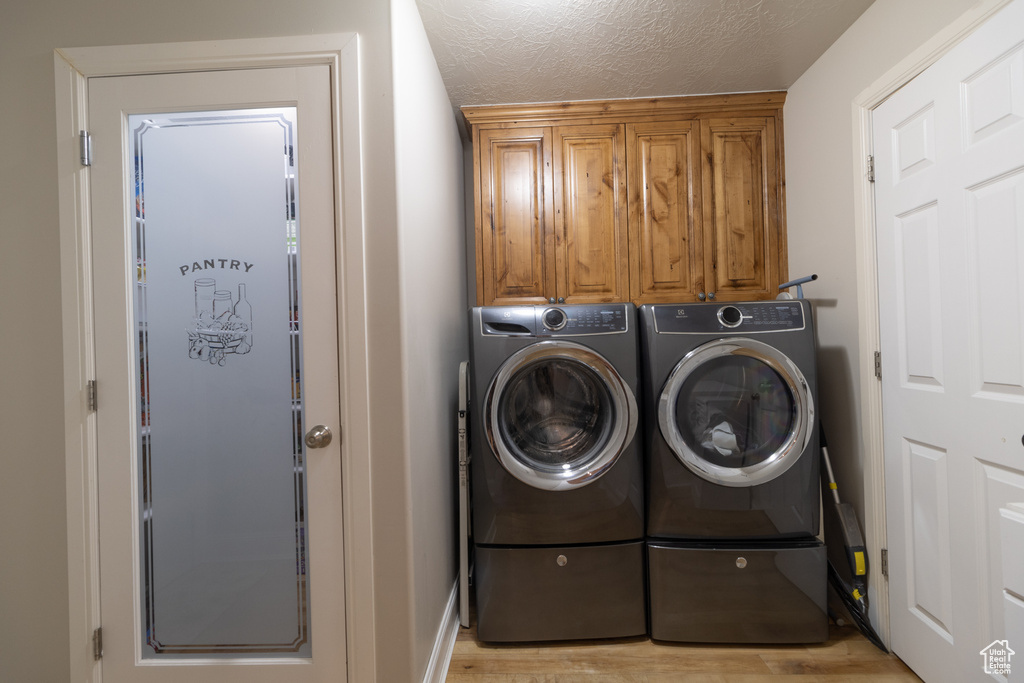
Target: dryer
[556,472]
[732,458]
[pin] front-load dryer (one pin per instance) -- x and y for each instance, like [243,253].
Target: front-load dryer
[556,472]
[731,434]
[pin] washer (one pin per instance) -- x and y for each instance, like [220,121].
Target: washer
[732,457]
[556,472]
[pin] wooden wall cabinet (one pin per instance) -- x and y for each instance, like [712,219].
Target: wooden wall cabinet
[666,200]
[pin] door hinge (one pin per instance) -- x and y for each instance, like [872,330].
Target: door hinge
[885,562]
[878,364]
[97,643]
[85,148]
[90,395]
[871,169]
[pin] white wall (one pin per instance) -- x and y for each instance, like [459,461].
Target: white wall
[432,250]
[820,169]
[416,572]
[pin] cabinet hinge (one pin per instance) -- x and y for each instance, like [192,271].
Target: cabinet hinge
[97,643]
[885,562]
[871,169]
[85,148]
[878,364]
[90,395]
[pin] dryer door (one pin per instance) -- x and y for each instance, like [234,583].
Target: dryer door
[558,415]
[737,412]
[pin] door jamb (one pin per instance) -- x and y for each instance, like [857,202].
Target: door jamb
[72,70]
[865,232]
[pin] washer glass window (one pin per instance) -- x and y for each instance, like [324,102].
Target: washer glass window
[735,411]
[555,414]
[558,415]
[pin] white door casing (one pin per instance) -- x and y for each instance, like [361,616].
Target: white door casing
[949,162]
[74,70]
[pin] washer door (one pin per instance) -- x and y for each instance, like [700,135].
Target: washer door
[737,412]
[558,415]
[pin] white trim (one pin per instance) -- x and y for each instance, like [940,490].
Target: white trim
[867,308]
[72,69]
[444,643]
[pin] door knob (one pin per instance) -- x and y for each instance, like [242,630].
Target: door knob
[318,437]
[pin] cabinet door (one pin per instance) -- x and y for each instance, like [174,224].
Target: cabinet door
[743,208]
[590,220]
[515,226]
[666,245]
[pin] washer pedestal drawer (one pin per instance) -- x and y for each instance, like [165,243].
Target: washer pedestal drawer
[560,593]
[703,592]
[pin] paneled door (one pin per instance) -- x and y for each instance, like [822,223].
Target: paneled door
[215,298]
[949,152]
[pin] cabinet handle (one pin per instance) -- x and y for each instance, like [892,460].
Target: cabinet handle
[701,296]
[561,299]
[551,300]
[711,296]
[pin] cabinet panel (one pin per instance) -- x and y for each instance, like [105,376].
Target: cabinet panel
[590,219]
[516,217]
[662,200]
[666,244]
[742,208]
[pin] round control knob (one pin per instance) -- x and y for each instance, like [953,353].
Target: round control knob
[730,316]
[554,318]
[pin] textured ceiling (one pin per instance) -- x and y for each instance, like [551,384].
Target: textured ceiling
[514,51]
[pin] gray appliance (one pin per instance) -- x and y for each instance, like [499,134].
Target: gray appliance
[556,473]
[732,462]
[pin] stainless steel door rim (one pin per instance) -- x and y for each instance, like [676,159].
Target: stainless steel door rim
[783,456]
[618,424]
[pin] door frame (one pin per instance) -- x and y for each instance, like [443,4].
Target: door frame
[865,232]
[72,70]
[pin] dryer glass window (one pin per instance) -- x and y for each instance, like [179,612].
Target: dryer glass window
[735,411]
[556,414]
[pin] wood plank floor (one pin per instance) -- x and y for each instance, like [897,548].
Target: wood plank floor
[847,657]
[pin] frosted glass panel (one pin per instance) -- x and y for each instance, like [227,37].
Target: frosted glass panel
[221,474]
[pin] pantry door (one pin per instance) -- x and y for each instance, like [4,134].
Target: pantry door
[215,296]
[949,152]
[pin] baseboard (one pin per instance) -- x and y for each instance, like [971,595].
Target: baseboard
[444,643]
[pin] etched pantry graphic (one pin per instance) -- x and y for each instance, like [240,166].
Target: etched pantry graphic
[222,325]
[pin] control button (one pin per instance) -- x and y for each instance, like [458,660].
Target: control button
[730,316]
[554,318]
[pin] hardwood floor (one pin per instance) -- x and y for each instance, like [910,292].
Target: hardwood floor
[847,657]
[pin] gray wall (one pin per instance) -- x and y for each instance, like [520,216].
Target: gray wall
[432,248]
[412,381]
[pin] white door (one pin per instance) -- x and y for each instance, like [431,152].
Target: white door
[949,151]
[217,354]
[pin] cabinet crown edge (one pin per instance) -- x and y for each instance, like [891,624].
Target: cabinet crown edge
[621,109]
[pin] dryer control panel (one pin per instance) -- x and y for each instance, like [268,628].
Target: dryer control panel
[749,318]
[555,320]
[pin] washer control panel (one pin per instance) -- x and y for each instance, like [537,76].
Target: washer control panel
[748,317]
[555,320]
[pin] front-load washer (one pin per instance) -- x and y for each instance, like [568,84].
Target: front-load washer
[732,463]
[556,472]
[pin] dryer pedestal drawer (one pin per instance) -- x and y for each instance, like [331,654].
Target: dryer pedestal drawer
[733,594]
[567,593]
